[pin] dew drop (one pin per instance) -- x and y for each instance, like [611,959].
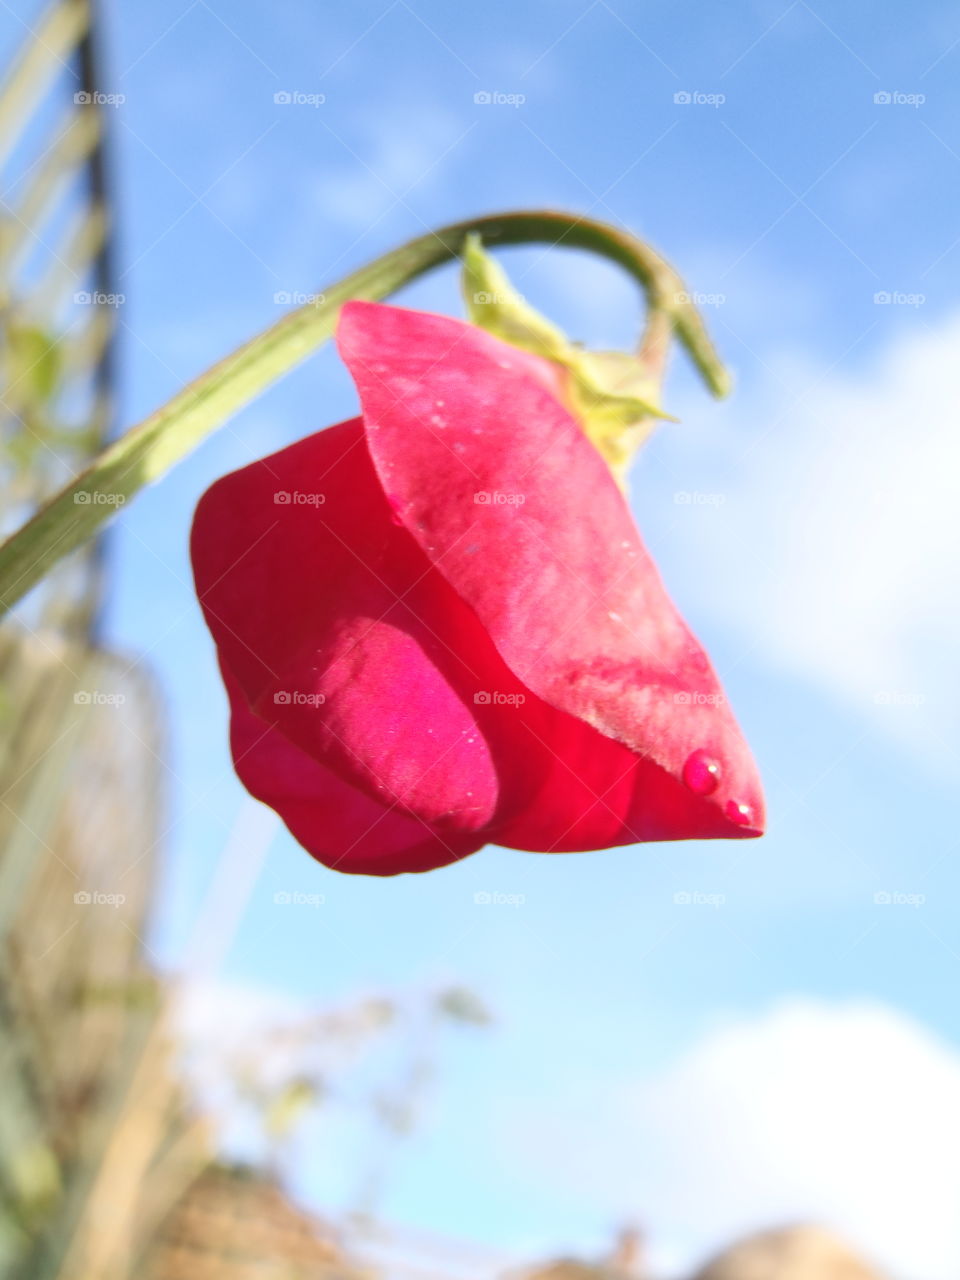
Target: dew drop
[701,774]
[741,814]
[396,506]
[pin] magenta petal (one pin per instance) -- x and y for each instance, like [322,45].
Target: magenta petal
[518,511]
[337,824]
[338,630]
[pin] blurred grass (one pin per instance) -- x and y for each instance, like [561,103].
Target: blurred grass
[56,277]
[96,1140]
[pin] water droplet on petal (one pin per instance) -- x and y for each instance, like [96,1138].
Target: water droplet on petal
[701,773]
[741,814]
[395,506]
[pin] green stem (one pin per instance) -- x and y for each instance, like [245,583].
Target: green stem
[147,451]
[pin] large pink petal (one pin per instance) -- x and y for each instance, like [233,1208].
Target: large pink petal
[337,628]
[337,824]
[551,563]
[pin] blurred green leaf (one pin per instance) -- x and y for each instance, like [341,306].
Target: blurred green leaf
[34,363]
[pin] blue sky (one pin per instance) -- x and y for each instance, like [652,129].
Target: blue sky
[814,558]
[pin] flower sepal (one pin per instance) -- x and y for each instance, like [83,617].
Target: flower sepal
[614,395]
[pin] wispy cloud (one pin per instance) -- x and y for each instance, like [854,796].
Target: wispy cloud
[839,514]
[846,1114]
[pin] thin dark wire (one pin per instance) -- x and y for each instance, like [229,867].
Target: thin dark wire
[89,619]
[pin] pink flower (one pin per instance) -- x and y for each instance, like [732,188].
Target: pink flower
[438,626]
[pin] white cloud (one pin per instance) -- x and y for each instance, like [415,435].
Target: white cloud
[847,1114]
[840,527]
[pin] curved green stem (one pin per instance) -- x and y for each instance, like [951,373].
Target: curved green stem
[148,450]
